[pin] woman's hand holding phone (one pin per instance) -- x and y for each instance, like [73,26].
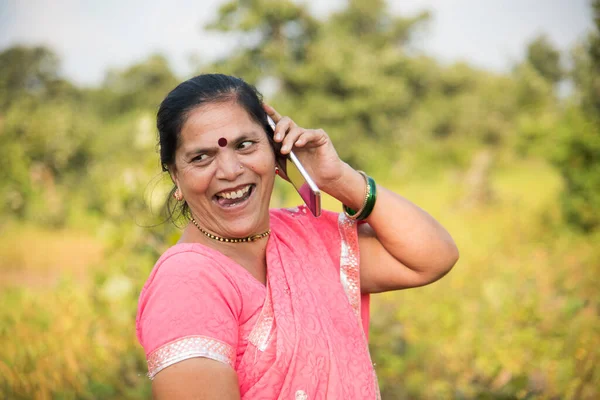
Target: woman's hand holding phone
[315,151]
[312,147]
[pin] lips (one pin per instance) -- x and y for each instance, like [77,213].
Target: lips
[232,197]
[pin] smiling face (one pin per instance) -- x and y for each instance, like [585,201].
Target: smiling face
[227,188]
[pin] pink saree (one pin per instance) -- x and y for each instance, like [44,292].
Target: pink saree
[302,336]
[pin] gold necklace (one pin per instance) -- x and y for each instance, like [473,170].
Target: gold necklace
[251,238]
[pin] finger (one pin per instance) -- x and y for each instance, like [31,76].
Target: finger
[311,136]
[291,138]
[271,112]
[282,128]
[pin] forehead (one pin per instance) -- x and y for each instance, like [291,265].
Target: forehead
[209,123]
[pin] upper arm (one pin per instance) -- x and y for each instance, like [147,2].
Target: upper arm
[380,271]
[198,379]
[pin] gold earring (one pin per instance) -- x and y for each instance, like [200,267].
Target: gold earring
[178,195]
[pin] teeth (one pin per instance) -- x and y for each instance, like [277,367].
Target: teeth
[235,195]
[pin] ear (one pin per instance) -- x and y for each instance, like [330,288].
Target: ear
[173,175]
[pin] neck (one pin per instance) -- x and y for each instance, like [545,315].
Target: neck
[250,255]
[195,233]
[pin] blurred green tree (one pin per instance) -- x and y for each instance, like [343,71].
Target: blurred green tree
[545,59]
[30,71]
[586,72]
[344,74]
[356,74]
[45,131]
[578,156]
[138,87]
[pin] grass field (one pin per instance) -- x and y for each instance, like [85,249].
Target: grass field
[518,317]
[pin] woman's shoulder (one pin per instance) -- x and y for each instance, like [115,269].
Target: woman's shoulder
[190,262]
[182,255]
[186,251]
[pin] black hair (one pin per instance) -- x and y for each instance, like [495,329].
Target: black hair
[196,92]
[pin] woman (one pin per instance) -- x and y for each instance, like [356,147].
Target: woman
[255,303]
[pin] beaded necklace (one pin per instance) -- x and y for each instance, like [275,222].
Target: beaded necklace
[251,238]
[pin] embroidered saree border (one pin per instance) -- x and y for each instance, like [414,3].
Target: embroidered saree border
[349,262]
[189,347]
[259,336]
[350,274]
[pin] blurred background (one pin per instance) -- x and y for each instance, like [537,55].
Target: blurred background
[486,114]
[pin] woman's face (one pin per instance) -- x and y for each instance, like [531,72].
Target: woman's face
[226,183]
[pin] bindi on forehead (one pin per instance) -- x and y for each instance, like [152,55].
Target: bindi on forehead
[222,142]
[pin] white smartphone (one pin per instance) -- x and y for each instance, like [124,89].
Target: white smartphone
[292,170]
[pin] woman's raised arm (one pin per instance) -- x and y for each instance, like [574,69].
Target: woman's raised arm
[401,245]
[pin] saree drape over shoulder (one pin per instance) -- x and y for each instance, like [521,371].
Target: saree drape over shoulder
[302,336]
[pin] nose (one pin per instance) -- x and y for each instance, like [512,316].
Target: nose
[229,166]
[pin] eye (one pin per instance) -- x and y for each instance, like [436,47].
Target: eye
[200,157]
[245,144]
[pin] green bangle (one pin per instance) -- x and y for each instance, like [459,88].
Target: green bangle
[370,201]
[369,204]
[353,214]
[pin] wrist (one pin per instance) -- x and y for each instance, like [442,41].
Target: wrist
[349,188]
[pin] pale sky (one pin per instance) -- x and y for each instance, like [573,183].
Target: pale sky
[91,35]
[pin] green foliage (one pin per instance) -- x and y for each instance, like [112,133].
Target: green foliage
[31,72]
[42,145]
[139,87]
[73,342]
[353,75]
[578,155]
[586,72]
[578,159]
[328,67]
[544,57]
[516,319]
